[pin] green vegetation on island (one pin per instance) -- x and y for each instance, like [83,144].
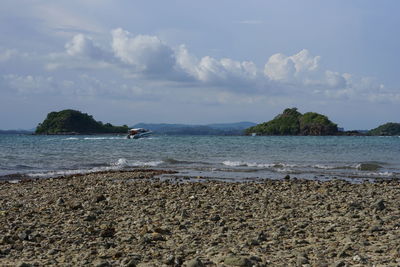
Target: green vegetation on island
[75,122]
[292,122]
[389,128]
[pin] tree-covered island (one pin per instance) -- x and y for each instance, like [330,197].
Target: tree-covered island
[386,129]
[75,122]
[292,122]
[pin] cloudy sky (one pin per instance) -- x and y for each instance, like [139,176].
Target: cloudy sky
[193,62]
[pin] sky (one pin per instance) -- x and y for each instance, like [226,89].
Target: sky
[199,62]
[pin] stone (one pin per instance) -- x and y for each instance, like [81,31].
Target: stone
[108,232]
[100,198]
[233,260]
[339,263]
[375,228]
[76,206]
[194,263]
[215,218]
[60,201]
[90,217]
[101,263]
[379,205]
[131,263]
[301,260]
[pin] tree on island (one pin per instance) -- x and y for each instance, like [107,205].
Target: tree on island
[292,122]
[73,121]
[389,128]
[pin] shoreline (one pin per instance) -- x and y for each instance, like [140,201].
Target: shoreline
[180,177]
[130,218]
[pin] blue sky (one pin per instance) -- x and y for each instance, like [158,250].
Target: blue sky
[126,62]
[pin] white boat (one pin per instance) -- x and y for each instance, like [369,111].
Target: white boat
[137,133]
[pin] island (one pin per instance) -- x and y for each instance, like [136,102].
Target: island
[71,121]
[292,122]
[387,129]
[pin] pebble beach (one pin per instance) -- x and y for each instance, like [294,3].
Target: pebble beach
[132,218]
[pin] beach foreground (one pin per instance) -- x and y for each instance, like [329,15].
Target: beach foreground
[133,219]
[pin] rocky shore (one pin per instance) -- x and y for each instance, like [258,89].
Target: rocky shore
[134,219]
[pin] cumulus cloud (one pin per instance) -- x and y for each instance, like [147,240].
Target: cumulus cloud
[280,68]
[210,70]
[335,79]
[145,53]
[148,59]
[81,45]
[284,68]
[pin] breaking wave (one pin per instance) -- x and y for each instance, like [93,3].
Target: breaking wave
[120,164]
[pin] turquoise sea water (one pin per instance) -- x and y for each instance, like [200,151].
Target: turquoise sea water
[222,157]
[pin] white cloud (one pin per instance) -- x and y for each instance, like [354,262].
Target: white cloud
[146,53]
[29,84]
[289,68]
[335,80]
[82,45]
[280,68]
[59,17]
[152,62]
[210,70]
[7,54]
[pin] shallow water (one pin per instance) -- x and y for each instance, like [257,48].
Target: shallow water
[233,157]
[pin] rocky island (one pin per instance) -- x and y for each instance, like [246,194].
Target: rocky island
[75,122]
[292,122]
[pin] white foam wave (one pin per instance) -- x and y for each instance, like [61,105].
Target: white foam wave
[377,174]
[71,138]
[325,167]
[64,173]
[118,165]
[233,163]
[122,162]
[147,164]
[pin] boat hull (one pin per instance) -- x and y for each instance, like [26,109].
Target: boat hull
[139,135]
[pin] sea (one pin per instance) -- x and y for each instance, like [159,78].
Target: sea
[227,158]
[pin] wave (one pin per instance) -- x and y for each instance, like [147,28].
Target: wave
[93,138]
[368,166]
[173,161]
[369,169]
[124,163]
[71,138]
[120,164]
[104,138]
[258,165]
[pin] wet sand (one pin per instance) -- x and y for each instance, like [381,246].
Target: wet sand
[133,219]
